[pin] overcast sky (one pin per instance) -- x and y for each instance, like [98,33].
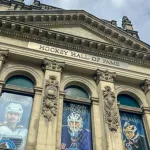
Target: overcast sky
[138,11]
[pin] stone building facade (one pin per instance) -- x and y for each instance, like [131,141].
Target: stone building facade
[71,81]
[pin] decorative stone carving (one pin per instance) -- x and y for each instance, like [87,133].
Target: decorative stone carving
[53,65]
[110,108]
[3,54]
[145,86]
[49,109]
[104,76]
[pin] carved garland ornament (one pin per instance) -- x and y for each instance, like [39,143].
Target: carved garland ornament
[111,115]
[49,109]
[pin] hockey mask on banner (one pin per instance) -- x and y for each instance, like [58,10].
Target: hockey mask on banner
[75,124]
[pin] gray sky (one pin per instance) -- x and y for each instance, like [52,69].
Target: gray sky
[138,11]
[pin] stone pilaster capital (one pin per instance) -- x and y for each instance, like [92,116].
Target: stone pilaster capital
[94,100]
[3,55]
[146,110]
[38,90]
[53,65]
[62,94]
[145,86]
[104,75]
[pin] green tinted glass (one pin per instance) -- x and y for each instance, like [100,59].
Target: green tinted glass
[20,80]
[127,100]
[76,91]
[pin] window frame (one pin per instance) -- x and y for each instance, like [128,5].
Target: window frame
[133,110]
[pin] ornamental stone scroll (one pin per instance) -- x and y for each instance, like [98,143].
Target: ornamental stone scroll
[104,76]
[49,109]
[110,109]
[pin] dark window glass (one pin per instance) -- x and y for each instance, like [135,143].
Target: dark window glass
[76,127]
[76,91]
[127,100]
[20,80]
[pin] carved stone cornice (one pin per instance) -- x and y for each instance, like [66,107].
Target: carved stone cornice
[53,65]
[102,75]
[145,86]
[104,28]
[73,42]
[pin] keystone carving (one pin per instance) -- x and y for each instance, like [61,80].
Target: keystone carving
[145,86]
[53,65]
[110,109]
[49,109]
[104,76]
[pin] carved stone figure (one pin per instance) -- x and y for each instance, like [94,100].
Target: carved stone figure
[111,115]
[49,109]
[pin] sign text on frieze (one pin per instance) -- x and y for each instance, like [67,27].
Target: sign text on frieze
[76,55]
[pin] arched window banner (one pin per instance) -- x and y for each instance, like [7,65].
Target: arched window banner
[133,131]
[76,127]
[15,111]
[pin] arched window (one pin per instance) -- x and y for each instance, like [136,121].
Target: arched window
[15,105]
[133,132]
[76,124]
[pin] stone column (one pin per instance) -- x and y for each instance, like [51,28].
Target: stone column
[3,56]
[47,132]
[145,86]
[111,134]
[59,120]
[34,122]
[96,124]
[146,120]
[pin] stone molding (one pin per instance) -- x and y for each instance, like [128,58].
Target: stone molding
[85,83]
[110,109]
[53,65]
[104,76]
[94,100]
[38,90]
[145,86]
[49,108]
[19,88]
[104,28]
[78,99]
[137,94]
[74,42]
[146,110]
[23,69]
[2,83]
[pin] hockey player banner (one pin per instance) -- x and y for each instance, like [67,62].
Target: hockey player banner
[133,132]
[14,120]
[76,127]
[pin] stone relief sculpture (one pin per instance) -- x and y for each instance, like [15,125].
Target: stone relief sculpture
[49,109]
[110,109]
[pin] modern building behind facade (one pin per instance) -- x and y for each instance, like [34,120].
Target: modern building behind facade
[71,81]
